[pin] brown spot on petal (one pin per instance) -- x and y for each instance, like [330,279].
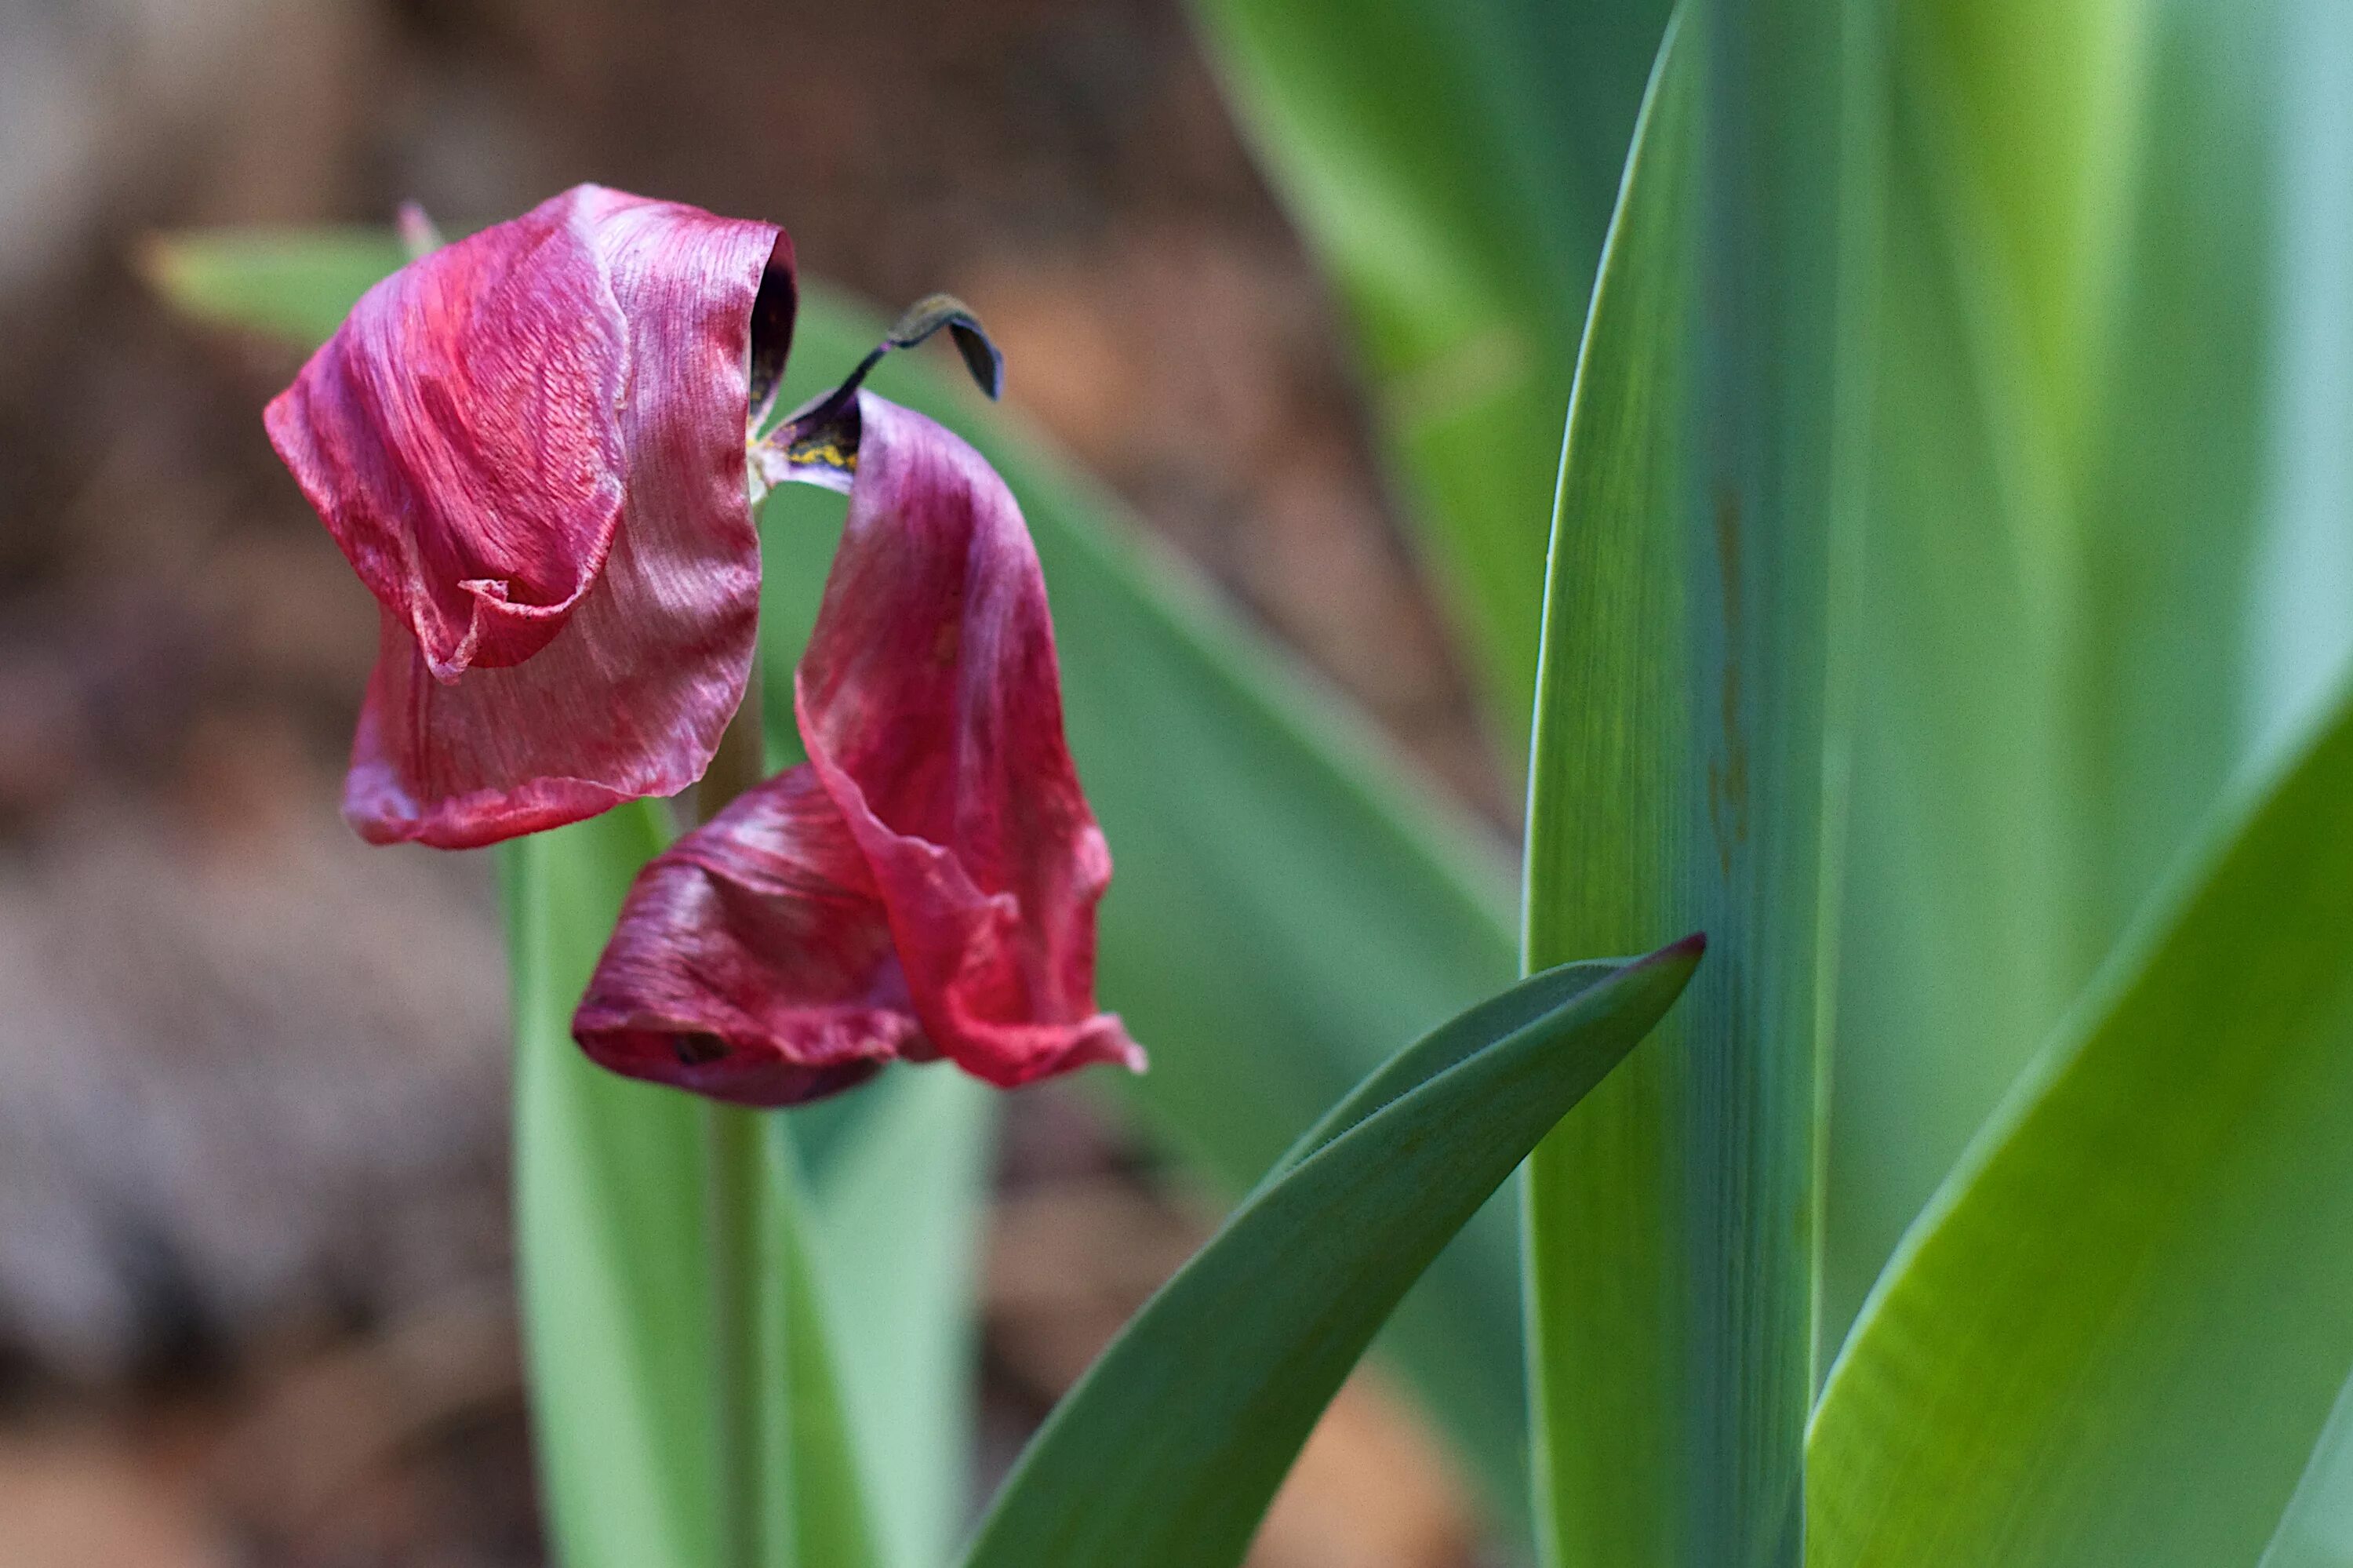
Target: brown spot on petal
[698,1049]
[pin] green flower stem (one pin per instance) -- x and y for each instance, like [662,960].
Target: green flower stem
[735,1194]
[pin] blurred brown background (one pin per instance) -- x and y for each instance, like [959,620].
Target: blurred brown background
[253,1245]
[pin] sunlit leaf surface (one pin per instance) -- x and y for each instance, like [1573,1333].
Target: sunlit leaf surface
[2118,1332]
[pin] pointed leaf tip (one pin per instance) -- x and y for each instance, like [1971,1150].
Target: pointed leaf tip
[1206,1396]
[1691,948]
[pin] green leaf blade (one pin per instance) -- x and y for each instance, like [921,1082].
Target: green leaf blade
[1168,1451]
[896,1190]
[296,285]
[2078,440]
[612,1239]
[1677,780]
[2119,1332]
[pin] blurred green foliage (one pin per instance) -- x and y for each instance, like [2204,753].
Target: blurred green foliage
[1453,164]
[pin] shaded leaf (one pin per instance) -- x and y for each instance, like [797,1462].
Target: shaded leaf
[611,1236]
[1677,780]
[613,1243]
[2063,644]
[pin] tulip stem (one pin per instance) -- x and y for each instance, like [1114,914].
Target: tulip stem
[735,1188]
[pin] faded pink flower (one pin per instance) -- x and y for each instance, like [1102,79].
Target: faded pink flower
[925,885]
[530,445]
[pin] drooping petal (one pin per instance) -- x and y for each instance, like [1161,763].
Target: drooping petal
[931,703]
[753,961]
[460,436]
[530,445]
[935,859]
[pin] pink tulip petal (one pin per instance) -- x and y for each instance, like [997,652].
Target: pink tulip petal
[752,961]
[931,703]
[531,446]
[934,863]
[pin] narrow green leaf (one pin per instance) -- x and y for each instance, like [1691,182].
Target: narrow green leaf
[1169,1449]
[297,285]
[2117,1333]
[1677,782]
[1503,1013]
[613,1241]
[611,1233]
[817,1514]
[1264,837]
[1959,858]
[1453,162]
[897,1176]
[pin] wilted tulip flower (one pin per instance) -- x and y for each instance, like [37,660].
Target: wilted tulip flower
[537,447]
[530,445]
[925,884]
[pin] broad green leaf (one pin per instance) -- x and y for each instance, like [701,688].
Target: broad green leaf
[1959,855]
[2117,1333]
[1453,162]
[1169,1449]
[1286,896]
[2061,644]
[613,1241]
[1677,782]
